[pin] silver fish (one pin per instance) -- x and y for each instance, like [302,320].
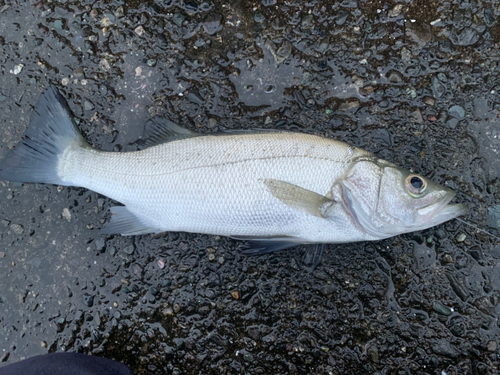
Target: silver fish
[279,188]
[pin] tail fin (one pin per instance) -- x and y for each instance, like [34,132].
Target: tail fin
[50,132]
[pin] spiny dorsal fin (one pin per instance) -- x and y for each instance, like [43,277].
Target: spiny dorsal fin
[159,130]
[299,198]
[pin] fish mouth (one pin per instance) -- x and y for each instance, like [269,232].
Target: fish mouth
[440,212]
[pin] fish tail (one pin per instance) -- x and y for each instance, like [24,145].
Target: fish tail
[50,132]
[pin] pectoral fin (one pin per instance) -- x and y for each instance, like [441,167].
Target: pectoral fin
[299,198]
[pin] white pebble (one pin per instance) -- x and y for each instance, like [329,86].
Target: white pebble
[17,69]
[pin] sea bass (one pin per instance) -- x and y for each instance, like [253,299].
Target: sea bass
[280,188]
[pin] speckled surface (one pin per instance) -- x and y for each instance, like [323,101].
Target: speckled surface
[415,83]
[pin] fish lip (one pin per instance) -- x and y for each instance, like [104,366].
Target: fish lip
[449,212]
[442,212]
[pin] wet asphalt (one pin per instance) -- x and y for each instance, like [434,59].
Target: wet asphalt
[414,82]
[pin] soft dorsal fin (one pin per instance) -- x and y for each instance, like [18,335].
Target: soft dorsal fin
[159,130]
[299,198]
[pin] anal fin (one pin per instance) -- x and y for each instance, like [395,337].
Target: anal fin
[312,255]
[126,223]
[258,246]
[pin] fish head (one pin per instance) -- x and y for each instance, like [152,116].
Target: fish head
[386,200]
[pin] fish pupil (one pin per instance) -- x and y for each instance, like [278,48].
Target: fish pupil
[416,182]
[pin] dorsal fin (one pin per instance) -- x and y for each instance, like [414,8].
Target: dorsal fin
[159,130]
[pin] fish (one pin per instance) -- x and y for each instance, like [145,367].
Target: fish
[271,189]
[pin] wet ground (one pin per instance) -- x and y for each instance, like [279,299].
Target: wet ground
[414,82]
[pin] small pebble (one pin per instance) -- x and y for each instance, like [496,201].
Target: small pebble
[411,92]
[106,22]
[447,258]
[307,20]
[17,69]
[349,104]
[119,12]
[168,312]
[492,346]
[65,81]
[442,77]
[212,122]
[99,244]
[395,11]
[429,100]
[17,228]
[79,73]
[441,309]
[139,30]
[460,237]
[161,263]
[88,106]
[66,214]
[457,112]
[104,64]
[43,344]
[395,77]
[129,250]
[177,308]
[2,254]
[236,294]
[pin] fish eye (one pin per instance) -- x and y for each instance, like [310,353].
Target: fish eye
[415,184]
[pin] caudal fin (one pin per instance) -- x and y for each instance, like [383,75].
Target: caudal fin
[50,131]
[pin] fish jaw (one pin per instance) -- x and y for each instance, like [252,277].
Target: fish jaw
[439,212]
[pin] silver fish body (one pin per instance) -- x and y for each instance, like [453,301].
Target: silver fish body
[285,186]
[217,184]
